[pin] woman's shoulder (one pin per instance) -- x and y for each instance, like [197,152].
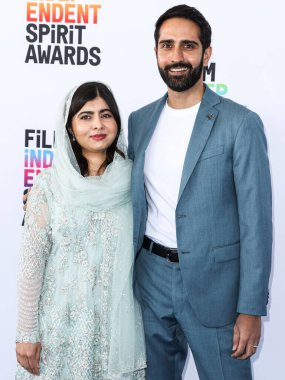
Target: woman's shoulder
[44,177]
[44,183]
[122,165]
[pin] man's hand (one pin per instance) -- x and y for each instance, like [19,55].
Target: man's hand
[28,355]
[25,198]
[246,337]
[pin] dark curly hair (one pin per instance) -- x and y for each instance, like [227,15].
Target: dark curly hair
[84,93]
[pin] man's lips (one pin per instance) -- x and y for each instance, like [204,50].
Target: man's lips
[178,69]
[98,137]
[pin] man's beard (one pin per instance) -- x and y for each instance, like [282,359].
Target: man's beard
[182,82]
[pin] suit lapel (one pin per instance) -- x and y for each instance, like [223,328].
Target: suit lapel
[148,130]
[151,122]
[147,127]
[202,128]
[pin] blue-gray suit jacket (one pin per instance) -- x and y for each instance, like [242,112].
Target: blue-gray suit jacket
[223,213]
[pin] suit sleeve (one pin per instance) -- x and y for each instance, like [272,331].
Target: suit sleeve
[253,189]
[130,138]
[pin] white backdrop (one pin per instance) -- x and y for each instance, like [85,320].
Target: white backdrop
[248,54]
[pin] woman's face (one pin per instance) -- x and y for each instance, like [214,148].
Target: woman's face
[94,127]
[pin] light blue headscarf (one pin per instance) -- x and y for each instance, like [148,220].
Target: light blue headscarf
[106,194]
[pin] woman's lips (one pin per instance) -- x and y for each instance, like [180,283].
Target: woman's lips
[98,137]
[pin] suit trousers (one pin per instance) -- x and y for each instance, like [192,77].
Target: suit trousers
[171,325]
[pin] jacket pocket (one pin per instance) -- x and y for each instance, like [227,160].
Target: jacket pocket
[212,151]
[226,253]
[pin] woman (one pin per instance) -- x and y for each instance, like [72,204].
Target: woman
[78,319]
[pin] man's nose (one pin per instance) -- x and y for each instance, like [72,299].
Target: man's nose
[177,54]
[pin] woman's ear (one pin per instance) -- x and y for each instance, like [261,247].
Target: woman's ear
[71,133]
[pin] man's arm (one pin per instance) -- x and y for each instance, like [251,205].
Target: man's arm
[130,139]
[253,189]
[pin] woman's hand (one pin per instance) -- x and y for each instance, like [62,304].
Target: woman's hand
[28,356]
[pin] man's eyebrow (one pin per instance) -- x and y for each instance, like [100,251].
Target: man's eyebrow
[183,42]
[190,42]
[165,41]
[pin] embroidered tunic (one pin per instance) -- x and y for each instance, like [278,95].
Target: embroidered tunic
[75,285]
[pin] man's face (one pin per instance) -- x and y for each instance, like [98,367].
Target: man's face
[180,55]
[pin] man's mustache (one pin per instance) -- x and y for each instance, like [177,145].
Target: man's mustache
[178,65]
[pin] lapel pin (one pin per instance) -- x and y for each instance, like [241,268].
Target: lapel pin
[210,116]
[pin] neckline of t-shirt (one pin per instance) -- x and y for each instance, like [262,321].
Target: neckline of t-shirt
[182,111]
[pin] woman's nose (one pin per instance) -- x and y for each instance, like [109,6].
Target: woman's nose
[97,123]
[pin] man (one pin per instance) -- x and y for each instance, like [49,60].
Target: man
[202,214]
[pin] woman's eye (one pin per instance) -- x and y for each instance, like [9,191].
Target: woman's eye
[107,115]
[85,117]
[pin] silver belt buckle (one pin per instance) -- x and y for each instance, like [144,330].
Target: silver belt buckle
[169,251]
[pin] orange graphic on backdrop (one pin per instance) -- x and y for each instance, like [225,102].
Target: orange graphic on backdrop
[58,12]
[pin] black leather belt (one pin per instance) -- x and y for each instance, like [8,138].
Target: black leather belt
[169,254]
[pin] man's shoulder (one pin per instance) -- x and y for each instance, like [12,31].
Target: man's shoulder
[239,114]
[226,105]
[234,106]
[150,107]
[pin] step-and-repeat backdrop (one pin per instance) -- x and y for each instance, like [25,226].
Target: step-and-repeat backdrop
[47,47]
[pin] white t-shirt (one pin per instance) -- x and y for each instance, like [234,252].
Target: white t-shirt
[164,159]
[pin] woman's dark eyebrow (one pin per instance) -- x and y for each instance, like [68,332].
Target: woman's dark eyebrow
[86,112]
[92,112]
[105,110]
